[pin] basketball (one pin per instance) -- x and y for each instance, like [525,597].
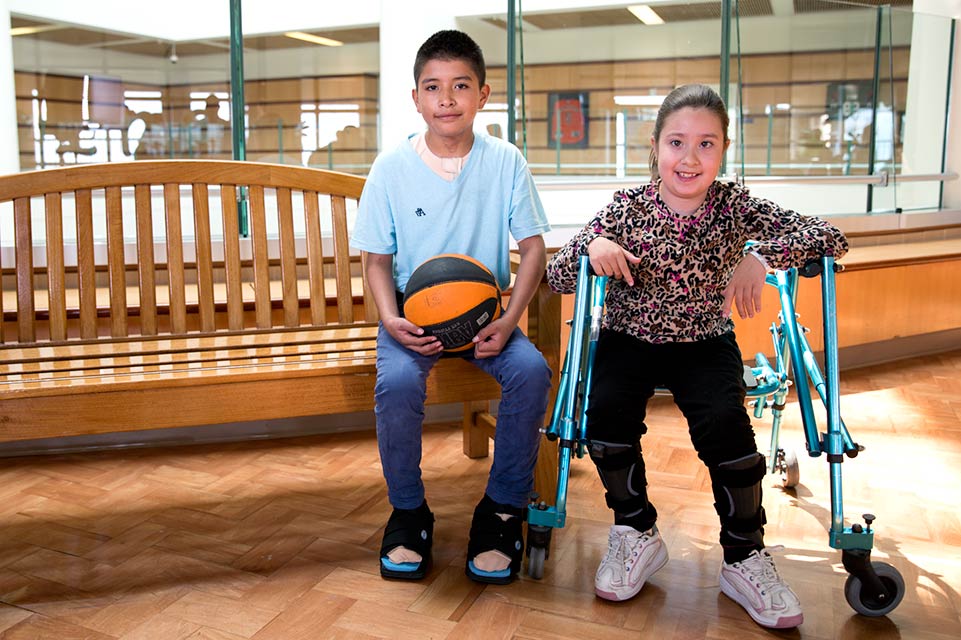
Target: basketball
[452,297]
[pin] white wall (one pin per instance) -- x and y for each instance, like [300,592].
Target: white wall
[9,142]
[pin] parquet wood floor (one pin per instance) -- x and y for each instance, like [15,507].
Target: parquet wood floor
[279,539]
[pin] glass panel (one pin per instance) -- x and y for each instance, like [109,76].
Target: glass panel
[807,81]
[312,98]
[921,106]
[826,119]
[86,95]
[594,79]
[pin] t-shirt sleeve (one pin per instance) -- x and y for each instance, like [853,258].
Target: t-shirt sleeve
[527,216]
[374,228]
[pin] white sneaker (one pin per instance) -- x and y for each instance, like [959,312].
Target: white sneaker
[754,584]
[632,557]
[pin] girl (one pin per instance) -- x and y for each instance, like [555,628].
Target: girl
[674,249]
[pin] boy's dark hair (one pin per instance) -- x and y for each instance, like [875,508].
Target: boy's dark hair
[695,96]
[451,44]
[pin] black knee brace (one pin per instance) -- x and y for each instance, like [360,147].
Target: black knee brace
[737,495]
[623,474]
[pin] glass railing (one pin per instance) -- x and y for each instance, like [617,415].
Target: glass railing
[822,89]
[838,98]
[141,99]
[815,88]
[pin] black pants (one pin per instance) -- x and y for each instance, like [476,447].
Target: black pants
[706,379]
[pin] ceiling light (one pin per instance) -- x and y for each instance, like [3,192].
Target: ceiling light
[309,37]
[27,31]
[645,14]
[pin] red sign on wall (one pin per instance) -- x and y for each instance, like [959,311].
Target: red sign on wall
[567,120]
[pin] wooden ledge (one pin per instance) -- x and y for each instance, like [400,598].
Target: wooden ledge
[901,254]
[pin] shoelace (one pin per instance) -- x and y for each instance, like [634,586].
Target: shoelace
[622,551]
[764,573]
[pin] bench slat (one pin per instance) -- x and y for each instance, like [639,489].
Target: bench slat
[315,260]
[115,262]
[145,260]
[86,269]
[159,344]
[202,353]
[103,381]
[2,332]
[235,307]
[175,258]
[182,360]
[205,271]
[98,176]
[56,282]
[258,231]
[24,253]
[345,308]
[288,257]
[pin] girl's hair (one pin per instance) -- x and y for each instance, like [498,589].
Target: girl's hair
[451,45]
[695,96]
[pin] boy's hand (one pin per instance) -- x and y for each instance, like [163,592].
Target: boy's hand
[745,288]
[490,340]
[411,336]
[610,259]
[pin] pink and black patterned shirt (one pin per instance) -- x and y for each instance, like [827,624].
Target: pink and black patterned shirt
[686,263]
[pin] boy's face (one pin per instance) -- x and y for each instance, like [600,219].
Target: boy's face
[448,96]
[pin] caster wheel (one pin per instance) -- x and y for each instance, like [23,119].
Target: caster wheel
[868,606]
[788,466]
[535,562]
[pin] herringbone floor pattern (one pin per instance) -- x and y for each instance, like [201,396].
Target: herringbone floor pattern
[279,539]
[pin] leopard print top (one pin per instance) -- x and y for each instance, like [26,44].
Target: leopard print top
[686,263]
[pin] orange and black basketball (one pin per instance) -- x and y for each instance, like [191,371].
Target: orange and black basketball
[452,297]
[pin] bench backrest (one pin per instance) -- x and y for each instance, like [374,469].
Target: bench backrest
[176,247]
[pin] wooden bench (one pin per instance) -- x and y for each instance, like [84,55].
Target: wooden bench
[134,299]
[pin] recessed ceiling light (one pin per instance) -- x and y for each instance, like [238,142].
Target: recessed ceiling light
[309,37]
[645,14]
[39,28]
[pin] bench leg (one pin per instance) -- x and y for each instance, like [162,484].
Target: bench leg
[478,429]
[545,471]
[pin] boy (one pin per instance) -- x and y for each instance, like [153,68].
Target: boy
[451,190]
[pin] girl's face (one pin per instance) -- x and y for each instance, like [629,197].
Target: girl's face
[689,154]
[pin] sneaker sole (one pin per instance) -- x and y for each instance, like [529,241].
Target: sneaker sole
[783,622]
[619,595]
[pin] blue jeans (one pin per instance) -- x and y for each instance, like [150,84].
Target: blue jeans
[399,396]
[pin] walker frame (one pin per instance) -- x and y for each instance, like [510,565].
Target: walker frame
[872,588]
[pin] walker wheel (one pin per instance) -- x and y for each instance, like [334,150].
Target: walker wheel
[870,606]
[535,562]
[788,466]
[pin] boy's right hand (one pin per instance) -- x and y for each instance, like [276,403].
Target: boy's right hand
[611,259]
[411,336]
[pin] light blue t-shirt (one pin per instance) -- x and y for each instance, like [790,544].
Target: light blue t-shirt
[409,211]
